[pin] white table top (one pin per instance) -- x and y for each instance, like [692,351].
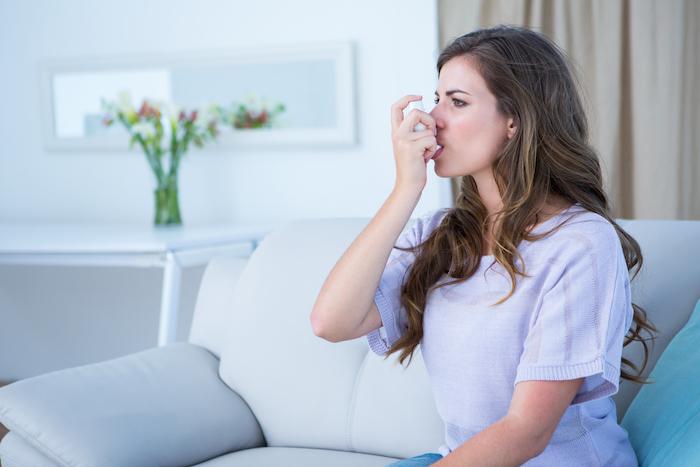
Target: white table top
[122,238]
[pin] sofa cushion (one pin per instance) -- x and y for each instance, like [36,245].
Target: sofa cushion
[297,457]
[663,421]
[161,406]
[304,390]
[16,452]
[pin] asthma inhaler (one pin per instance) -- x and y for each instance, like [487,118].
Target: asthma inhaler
[415,105]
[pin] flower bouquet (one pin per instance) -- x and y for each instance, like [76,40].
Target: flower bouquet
[252,114]
[164,132]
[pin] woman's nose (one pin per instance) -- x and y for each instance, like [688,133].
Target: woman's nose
[435,113]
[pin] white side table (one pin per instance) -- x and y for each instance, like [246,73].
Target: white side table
[170,248]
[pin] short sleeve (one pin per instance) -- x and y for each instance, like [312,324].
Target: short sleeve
[387,297]
[579,328]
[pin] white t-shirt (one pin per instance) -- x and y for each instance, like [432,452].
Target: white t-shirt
[568,320]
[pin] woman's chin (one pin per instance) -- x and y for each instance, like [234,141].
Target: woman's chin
[440,170]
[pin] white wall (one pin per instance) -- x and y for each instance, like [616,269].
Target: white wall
[396,47]
[57,317]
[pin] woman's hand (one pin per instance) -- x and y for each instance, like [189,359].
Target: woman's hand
[412,149]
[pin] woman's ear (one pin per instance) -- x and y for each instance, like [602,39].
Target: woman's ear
[512,127]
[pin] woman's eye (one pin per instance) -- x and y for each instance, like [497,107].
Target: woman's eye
[456,102]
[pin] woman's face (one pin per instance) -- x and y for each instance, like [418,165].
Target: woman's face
[469,127]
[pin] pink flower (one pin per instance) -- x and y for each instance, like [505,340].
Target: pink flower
[147,110]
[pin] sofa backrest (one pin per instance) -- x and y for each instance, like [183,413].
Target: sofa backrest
[213,309]
[308,392]
[667,288]
[303,390]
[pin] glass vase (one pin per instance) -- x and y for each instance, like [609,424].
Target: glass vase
[167,203]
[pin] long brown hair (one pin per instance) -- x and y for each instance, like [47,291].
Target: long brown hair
[549,155]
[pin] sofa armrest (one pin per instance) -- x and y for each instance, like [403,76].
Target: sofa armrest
[162,406]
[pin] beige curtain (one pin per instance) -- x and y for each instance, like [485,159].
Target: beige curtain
[638,63]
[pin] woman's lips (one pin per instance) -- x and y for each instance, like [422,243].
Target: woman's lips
[437,153]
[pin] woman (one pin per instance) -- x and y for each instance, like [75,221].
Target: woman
[519,295]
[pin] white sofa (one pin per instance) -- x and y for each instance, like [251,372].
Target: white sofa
[255,387]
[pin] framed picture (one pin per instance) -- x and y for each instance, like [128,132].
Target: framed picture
[315,83]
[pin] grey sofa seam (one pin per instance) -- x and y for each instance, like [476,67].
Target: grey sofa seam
[23,433]
[353,402]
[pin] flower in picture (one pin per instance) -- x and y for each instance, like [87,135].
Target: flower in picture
[254,113]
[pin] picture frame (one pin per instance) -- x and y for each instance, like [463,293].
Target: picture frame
[315,82]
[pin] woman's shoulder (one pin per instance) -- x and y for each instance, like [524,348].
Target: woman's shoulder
[578,220]
[574,225]
[578,231]
[418,229]
[428,221]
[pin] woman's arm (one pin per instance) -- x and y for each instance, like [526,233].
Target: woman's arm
[535,411]
[347,295]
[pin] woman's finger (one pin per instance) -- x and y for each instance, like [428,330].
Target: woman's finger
[415,135]
[429,144]
[418,116]
[397,109]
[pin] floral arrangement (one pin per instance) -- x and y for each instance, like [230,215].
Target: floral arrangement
[164,131]
[252,114]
